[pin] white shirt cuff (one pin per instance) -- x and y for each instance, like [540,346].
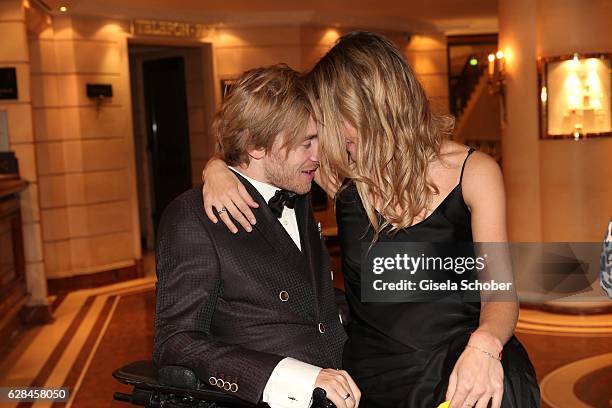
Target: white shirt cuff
[291,384]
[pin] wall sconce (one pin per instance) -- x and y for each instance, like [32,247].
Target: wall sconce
[98,92]
[496,75]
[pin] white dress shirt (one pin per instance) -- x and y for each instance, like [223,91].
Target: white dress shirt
[292,381]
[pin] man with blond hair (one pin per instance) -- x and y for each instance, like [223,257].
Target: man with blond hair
[254,313]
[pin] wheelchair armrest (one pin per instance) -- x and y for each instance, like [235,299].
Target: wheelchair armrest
[144,376]
[177,376]
[150,383]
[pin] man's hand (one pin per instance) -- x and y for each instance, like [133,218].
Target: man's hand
[340,388]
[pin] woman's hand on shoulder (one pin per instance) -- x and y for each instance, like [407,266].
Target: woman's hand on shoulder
[226,194]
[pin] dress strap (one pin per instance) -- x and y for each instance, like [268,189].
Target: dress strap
[465,161]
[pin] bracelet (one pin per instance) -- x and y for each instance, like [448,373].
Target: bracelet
[493,356]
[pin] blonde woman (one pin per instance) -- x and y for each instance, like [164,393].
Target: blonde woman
[403,182]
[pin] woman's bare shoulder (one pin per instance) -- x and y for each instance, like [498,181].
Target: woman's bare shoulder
[452,154]
[482,178]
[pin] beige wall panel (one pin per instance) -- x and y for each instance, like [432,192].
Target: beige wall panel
[106,122]
[312,54]
[58,259]
[249,37]
[65,56]
[51,159]
[55,224]
[46,91]
[234,61]
[426,42]
[98,219]
[567,26]
[53,191]
[55,124]
[43,57]
[16,49]
[319,36]
[576,189]
[77,156]
[83,188]
[428,62]
[102,186]
[83,221]
[105,155]
[435,85]
[97,57]
[90,29]
[11,10]
[105,249]
[27,161]
[19,123]
[73,123]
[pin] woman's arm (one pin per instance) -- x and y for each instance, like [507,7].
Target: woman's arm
[478,376]
[222,189]
[483,189]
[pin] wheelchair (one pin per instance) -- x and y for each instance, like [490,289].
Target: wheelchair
[179,387]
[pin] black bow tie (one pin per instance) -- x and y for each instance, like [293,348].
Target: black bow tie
[281,199]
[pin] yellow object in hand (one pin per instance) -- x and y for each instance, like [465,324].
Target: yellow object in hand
[444,404]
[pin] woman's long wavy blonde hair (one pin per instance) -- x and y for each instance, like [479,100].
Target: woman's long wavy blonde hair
[365,81]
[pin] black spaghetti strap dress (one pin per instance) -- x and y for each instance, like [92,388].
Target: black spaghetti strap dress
[402,354]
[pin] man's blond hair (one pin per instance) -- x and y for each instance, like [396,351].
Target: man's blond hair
[262,103]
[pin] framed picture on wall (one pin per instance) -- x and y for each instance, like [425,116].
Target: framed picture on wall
[575,96]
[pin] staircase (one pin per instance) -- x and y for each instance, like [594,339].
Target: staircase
[477,121]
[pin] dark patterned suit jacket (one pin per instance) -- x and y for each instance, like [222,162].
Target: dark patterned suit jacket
[231,306]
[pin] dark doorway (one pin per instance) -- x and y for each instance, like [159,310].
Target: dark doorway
[167,130]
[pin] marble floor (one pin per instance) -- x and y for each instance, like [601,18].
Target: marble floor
[98,330]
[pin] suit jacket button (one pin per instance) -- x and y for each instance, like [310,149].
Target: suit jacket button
[212,381]
[284,296]
[227,386]
[234,387]
[220,383]
[321,328]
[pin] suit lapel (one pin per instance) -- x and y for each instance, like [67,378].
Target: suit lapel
[269,226]
[310,241]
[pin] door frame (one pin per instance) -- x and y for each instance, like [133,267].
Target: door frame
[211,96]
